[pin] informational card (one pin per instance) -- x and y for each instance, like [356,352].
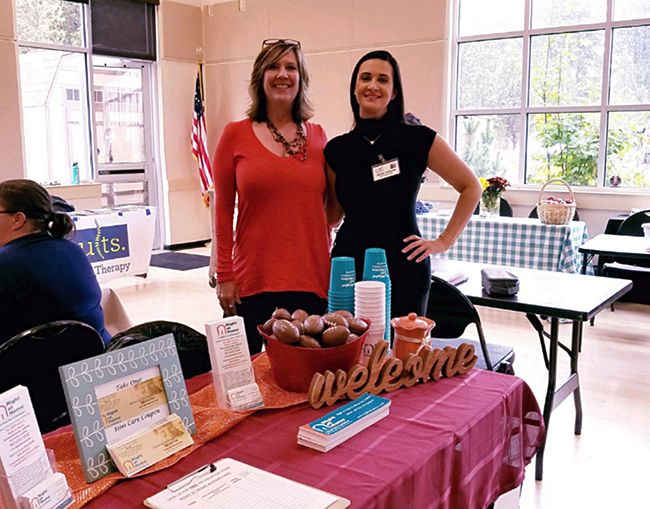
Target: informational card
[23,458]
[230,484]
[53,493]
[150,446]
[132,403]
[232,369]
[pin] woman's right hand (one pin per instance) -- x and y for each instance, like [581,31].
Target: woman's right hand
[228,296]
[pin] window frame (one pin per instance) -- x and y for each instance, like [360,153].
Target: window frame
[524,111]
[84,95]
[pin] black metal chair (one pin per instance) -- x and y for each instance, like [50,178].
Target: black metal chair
[192,346]
[533,214]
[505,209]
[453,312]
[628,268]
[32,358]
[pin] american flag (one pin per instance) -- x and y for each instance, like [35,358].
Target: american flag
[200,140]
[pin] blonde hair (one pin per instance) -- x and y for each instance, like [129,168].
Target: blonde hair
[302,109]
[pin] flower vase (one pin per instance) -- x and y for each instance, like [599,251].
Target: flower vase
[490,205]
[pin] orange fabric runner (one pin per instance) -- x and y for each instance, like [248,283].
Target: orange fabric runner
[211,422]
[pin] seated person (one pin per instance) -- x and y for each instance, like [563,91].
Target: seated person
[43,276]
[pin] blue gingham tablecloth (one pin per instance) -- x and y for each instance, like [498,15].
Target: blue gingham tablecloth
[514,242]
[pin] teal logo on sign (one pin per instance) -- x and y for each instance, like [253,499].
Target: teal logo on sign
[104,242]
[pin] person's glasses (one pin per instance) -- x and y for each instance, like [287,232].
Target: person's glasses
[287,42]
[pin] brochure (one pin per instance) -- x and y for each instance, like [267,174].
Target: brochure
[343,423]
[23,458]
[232,369]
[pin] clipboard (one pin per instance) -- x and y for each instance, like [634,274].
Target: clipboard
[231,484]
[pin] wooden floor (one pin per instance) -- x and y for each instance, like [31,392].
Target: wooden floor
[605,467]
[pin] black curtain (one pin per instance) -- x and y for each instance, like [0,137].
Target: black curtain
[124,28]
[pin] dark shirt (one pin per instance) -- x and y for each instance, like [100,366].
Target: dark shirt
[382,213]
[43,279]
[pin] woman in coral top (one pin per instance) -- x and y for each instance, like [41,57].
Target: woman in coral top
[271,164]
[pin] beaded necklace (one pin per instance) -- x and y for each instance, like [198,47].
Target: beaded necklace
[297,147]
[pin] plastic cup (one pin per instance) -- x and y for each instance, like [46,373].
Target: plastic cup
[342,274]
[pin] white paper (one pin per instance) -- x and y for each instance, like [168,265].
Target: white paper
[230,484]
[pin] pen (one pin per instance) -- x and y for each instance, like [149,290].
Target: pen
[174,485]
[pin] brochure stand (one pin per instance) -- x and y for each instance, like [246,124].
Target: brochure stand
[51,493]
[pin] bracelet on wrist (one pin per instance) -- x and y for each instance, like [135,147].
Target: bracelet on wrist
[449,240]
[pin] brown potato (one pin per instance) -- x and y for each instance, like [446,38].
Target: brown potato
[281,313]
[286,332]
[299,325]
[335,336]
[268,326]
[308,342]
[313,325]
[300,315]
[357,326]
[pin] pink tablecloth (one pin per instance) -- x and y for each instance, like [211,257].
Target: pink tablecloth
[455,443]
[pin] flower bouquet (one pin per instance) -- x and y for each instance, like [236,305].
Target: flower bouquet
[491,197]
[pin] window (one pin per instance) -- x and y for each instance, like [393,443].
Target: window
[554,88]
[53,77]
[61,93]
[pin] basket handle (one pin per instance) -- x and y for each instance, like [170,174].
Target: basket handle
[562,181]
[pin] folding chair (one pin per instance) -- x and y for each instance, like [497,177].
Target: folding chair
[32,358]
[192,346]
[453,313]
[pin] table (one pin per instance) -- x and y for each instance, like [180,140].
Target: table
[459,442]
[118,241]
[557,295]
[627,246]
[516,242]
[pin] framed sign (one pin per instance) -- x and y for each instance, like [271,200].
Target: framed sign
[118,393]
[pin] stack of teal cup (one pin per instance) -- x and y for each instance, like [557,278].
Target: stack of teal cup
[342,279]
[375,268]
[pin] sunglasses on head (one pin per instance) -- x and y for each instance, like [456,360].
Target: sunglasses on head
[273,42]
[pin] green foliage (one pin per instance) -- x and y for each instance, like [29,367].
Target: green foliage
[570,143]
[479,154]
[51,21]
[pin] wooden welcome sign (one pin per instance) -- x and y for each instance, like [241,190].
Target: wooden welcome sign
[390,374]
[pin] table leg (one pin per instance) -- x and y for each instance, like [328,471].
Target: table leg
[584,263]
[576,345]
[550,395]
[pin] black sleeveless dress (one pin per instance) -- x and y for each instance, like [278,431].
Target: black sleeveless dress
[382,213]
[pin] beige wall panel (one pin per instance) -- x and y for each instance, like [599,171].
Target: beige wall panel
[11,143]
[181,31]
[188,220]
[230,34]
[318,25]
[329,91]
[388,21]
[226,90]
[6,19]
[424,77]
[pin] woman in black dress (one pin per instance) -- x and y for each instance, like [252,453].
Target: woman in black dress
[374,174]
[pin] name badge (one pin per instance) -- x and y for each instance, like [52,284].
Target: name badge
[385,169]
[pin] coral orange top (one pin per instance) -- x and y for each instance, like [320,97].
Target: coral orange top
[281,240]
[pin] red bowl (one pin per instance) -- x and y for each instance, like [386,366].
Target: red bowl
[293,367]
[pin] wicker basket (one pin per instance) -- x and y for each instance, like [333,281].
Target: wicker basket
[550,212]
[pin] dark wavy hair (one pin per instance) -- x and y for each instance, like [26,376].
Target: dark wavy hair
[395,106]
[30,198]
